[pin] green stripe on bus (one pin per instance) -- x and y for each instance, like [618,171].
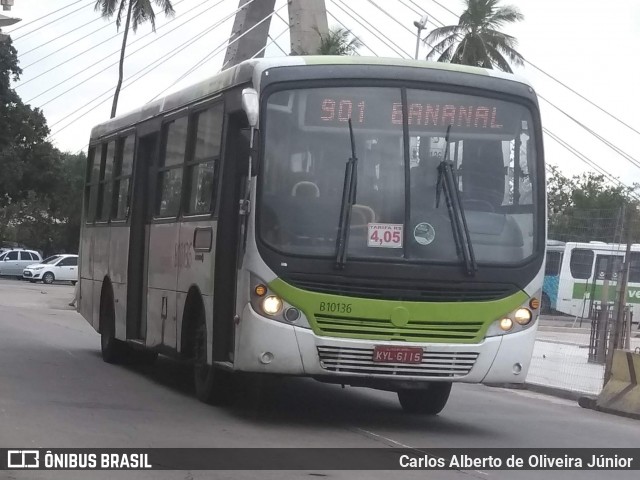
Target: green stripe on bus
[583,290]
[429,322]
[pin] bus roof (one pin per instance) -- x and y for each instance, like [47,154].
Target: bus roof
[251,71]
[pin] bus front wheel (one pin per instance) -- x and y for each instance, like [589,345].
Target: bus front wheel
[212,385]
[113,350]
[429,401]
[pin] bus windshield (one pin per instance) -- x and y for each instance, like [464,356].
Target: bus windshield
[395,216]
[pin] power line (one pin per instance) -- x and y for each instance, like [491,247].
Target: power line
[117,51]
[388,42]
[584,98]
[63,35]
[588,161]
[53,21]
[572,90]
[395,20]
[217,50]
[150,67]
[608,143]
[91,48]
[71,44]
[45,16]
[335,19]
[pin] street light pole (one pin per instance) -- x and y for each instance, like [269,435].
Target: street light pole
[420,26]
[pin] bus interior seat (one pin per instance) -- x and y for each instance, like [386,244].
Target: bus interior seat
[305,189]
[362,215]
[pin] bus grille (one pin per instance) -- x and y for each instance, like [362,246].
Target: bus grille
[383,329]
[360,361]
[402,290]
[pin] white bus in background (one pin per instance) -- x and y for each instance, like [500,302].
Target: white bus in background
[582,269]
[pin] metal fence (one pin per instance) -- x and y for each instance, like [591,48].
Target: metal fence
[593,309]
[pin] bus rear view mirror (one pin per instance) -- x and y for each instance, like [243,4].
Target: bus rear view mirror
[250,105]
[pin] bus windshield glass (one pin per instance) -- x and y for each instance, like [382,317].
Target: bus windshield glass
[400,141]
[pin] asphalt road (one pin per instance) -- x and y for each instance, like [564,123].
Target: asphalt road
[56,392]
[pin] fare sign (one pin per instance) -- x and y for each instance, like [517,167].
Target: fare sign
[385,235]
[389,354]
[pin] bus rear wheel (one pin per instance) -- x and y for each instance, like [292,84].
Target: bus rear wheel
[429,401]
[213,385]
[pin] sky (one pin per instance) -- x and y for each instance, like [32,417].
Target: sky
[69,60]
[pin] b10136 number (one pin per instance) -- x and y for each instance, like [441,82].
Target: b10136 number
[335,307]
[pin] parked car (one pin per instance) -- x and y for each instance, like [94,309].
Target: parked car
[55,268]
[13,262]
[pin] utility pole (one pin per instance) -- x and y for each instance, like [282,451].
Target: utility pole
[307,21]
[246,47]
[420,25]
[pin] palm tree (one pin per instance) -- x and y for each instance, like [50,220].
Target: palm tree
[476,39]
[338,41]
[138,11]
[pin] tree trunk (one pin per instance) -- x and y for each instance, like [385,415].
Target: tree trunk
[116,94]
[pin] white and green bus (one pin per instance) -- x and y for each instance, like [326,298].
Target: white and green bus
[580,270]
[361,221]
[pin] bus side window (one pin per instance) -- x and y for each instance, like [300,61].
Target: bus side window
[170,168]
[124,167]
[581,263]
[634,267]
[202,170]
[554,261]
[106,183]
[91,185]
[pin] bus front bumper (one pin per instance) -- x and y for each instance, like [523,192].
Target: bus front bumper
[266,346]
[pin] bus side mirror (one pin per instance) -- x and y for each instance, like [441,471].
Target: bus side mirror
[250,106]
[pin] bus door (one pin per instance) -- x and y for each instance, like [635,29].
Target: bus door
[141,205]
[228,242]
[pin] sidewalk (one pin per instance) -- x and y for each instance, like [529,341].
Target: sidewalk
[560,358]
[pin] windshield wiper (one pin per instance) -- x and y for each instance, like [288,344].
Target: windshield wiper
[348,199]
[448,183]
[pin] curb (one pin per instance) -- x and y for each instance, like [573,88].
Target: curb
[544,389]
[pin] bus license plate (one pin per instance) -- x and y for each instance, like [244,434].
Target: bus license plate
[385,354]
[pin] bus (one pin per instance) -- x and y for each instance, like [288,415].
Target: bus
[361,221]
[576,272]
[553,262]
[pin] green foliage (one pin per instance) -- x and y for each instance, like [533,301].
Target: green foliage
[477,40]
[141,10]
[589,208]
[338,41]
[40,187]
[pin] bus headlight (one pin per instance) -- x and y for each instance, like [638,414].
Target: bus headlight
[506,324]
[523,316]
[268,303]
[518,320]
[271,305]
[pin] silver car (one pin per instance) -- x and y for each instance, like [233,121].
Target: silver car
[13,262]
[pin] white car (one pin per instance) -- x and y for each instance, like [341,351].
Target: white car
[56,268]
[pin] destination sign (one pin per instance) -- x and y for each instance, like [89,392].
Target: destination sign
[426,110]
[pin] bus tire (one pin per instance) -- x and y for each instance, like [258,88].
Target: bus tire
[545,305]
[113,350]
[212,385]
[429,401]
